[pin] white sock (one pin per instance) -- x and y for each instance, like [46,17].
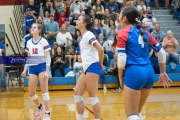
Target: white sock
[133,117]
[97,119]
[140,116]
[80,117]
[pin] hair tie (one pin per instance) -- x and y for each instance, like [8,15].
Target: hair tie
[137,20]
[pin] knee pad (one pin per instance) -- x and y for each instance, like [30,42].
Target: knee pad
[133,117]
[46,96]
[93,100]
[34,97]
[78,98]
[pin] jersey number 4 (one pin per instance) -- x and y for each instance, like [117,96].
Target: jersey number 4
[35,50]
[141,41]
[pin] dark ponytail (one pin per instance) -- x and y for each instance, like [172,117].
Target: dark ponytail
[132,16]
[89,23]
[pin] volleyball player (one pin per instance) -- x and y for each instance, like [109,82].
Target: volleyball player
[92,58]
[37,49]
[133,61]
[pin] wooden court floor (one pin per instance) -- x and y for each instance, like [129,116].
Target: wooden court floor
[162,104]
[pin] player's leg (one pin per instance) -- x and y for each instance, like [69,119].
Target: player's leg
[78,92]
[92,87]
[45,94]
[32,84]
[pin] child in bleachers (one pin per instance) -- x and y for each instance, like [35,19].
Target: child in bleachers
[78,51]
[70,53]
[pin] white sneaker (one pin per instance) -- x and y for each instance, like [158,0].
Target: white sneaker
[38,112]
[46,117]
[104,87]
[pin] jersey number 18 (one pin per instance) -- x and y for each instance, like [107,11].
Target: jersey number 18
[35,50]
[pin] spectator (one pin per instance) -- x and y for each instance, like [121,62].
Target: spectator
[175,6]
[154,61]
[149,22]
[117,23]
[99,9]
[34,8]
[55,45]
[59,5]
[120,4]
[158,34]
[45,15]
[28,20]
[141,15]
[141,6]
[63,36]
[86,4]
[40,21]
[61,17]
[170,44]
[97,28]
[114,45]
[114,69]
[76,6]
[127,4]
[100,40]
[52,28]
[93,15]
[75,18]
[47,6]
[78,68]
[79,36]
[112,6]
[67,7]
[58,61]
[166,4]
[71,29]
[70,53]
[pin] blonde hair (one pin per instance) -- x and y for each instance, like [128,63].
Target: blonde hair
[65,26]
[40,27]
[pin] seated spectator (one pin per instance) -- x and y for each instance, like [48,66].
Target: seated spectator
[78,51]
[47,6]
[141,15]
[71,29]
[154,61]
[114,69]
[78,68]
[79,36]
[97,28]
[55,45]
[117,23]
[99,9]
[120,4]
[170,44]
[52,28]
[93,15]
[34,8]
[61,17]
[40,21]
[86,4]
[76,6]
[149,22]
[74,18]
[101,40]
[175,6]
[158,34]
[45,14]
[70,53]
[112,6]
[63,36]
[28,20]
[166,3]
[58,61]
[127,4]
[141,6]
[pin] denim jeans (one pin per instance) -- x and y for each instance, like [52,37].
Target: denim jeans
[25,28]
[3,78]
[174,57]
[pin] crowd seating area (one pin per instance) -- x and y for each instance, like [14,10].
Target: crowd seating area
[163,18]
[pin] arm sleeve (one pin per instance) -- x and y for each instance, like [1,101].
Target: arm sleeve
[91,38]
[46,46]
[69,36]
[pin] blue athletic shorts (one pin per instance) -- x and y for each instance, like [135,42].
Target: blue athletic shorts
[139,76]
[37,69]
[94,68]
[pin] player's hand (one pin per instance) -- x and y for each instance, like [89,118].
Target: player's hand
[45,74]
[103,67]
[121,80]
[23,74]
[165,80]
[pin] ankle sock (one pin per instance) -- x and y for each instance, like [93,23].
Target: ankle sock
[39,106]
[47,112]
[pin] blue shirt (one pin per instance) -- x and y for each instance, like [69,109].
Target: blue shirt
[29,20]
[2,46]
[112,7]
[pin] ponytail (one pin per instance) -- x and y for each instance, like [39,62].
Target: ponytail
[141,32]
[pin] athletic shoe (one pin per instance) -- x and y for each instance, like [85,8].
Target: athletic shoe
[46,117]
[38,112]
[104,87]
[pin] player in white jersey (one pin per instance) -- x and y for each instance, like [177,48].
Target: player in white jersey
[92,58]
[37,49]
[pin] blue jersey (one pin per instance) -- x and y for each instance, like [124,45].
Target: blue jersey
[131,42]
[29,20]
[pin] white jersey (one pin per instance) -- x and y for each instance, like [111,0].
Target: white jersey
[89,54]
[37,51]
